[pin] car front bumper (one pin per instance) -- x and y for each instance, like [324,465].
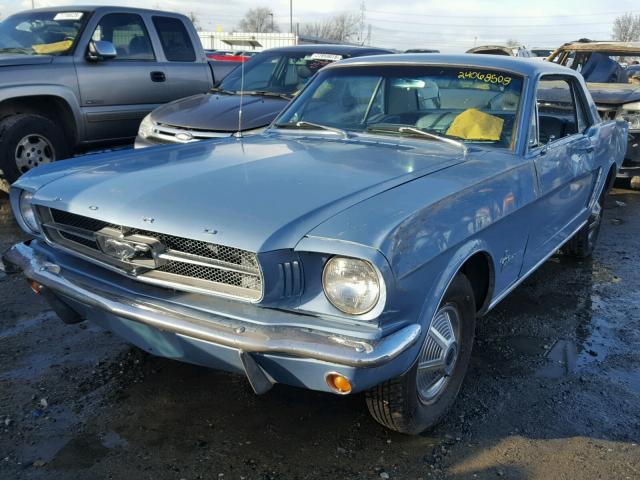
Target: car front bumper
[267,353]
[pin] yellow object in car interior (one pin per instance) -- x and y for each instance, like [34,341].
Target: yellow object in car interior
[473,124]
[56,47]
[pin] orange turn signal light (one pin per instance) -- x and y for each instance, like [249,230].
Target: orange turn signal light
[35,286]
[339,383]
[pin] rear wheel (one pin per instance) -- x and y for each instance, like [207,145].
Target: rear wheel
[418,399]
[582,244]
[28,141]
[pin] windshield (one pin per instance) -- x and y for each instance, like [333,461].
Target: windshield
[461,103]
[40,33]
[277,73]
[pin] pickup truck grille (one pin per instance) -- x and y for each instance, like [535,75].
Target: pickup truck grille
[166,260]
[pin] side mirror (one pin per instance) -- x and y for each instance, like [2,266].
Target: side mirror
[100,50]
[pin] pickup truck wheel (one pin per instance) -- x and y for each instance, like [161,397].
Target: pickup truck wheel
[582,244]
[418,399]
[27,141]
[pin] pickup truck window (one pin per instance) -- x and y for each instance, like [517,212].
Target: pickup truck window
[175,40]
[128,34]
[41,33]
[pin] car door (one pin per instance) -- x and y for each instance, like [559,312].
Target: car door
[563,155]
[186,73]
[117,93]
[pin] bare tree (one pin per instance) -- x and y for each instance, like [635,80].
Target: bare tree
[626,28]
[194,19]
[513,43]
[339,28]
[259,19]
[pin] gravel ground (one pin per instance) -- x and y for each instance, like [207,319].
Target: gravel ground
[553,392]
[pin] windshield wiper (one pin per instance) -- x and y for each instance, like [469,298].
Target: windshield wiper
[305,124]
[264,93]
[417,131]
[221,90]
[25,51]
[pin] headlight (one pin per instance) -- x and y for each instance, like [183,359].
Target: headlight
[630,112]
[146,127]
[351,285]
[26,212]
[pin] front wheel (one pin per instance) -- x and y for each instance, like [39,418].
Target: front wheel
[418,399]
[27,141]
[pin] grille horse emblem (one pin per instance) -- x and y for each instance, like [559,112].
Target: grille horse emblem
[138,251]
[122,249]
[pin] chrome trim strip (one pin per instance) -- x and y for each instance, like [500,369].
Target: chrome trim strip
[78,232]
[183,257]
[513,286]
[217,329]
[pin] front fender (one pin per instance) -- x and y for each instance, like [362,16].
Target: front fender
[62,93]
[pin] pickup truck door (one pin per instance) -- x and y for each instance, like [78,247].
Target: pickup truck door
[116,94]
[564,160]
[188,72]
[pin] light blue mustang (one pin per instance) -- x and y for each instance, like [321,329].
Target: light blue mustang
[348,248]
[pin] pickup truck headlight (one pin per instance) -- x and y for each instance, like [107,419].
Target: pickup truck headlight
[27,214]
[146,127]
[630,112]
[351,285]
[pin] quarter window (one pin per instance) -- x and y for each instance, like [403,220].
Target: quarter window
[175,40]
[127,33]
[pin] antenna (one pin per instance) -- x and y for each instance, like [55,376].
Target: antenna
[238,134]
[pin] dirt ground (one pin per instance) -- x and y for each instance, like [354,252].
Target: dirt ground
[553,392]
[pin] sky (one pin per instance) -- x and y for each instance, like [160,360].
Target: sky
[449,25]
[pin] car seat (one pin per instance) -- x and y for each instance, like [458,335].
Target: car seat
[139,48]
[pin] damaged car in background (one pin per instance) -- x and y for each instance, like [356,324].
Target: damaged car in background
[348,248]
[610,70]
[267,82]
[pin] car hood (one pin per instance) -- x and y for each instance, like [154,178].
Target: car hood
[219,112]
[13,60]
[259,193]
[614,93]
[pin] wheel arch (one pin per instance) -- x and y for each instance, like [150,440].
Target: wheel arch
[53,107]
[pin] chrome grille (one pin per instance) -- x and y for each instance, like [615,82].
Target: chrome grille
[173,134]
[182,263]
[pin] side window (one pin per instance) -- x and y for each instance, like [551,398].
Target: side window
[175,39]
[128,34]
[557,116]
[584,120]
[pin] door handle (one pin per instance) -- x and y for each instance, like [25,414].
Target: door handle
[158,76]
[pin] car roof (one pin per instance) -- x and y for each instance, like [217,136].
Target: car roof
[504,48]
[100,8]
[331,49]
[522,66]
[603,46]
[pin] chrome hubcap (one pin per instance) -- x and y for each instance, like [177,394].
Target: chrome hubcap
[33,150]
[439,354]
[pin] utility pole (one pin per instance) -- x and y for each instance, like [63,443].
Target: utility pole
[271,15]
[290,16]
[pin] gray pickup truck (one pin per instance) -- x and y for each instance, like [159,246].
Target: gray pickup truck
[74,78]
